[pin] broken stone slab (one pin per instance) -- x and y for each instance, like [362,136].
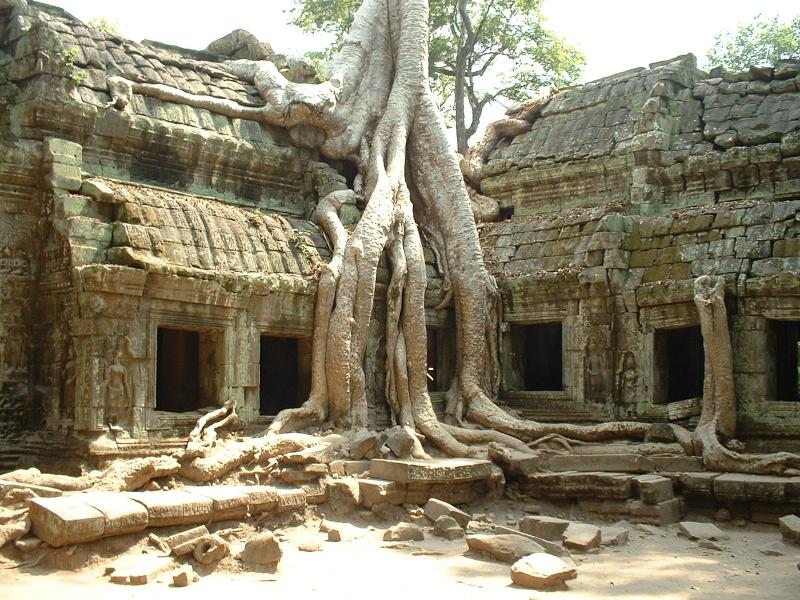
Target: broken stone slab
[581,536]
[654,488]
[709,545]
[184,576]
[774,549]
[65,520]
[344,495]
[121,514]
[556,549]
[321,453]
[140,569]
[184,542]
[548,528]
[701,531]
[38,490]
[442,470]
[614,536]
[98,190]
[345,468]
[265,549]
[403,532]
[399,441]
[448,528]
[543,571]
[790,528]
[507,548]
[377,491]
[174,507]
[365,444]
[435,508]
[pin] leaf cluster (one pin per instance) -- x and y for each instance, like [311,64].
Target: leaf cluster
[764,41]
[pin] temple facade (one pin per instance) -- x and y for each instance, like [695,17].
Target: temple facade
[160,260]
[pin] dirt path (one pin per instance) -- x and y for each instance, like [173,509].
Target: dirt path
[663,566]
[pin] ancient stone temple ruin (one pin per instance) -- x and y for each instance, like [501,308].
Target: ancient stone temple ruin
[159,259]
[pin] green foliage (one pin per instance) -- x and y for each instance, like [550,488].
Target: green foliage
[69,55]
[79,77]
[762,42]
[487,50]
[105,25]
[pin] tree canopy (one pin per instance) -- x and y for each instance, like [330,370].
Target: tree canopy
[763,42]
[480,51]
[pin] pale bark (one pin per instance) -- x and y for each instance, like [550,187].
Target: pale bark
[719,414]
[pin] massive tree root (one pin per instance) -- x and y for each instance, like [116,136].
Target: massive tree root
[718,416]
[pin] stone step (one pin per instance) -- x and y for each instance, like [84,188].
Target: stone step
[442,470]
[622,463]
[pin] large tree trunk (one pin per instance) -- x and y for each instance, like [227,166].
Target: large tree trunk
[378,112]
[718,416]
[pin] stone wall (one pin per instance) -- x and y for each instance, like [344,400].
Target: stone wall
[623,192]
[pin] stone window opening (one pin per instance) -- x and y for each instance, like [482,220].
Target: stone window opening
[285,373]
[538,349]
[679,364]
[786,347]
[186,369]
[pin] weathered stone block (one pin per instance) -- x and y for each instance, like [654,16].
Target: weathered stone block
[227,502]
[581,536]
[436,471]
[65,177]
[174,507]
[62,151]
[619,463]
[790,528]
[376,491]
[698,484]
[260,498]
[507,548]
[290,499]
[654,488]
[121,515]
[65,520]
[662,513]
[548,528]
[436,508]
[345,468]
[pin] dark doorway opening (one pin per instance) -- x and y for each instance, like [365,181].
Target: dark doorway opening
[441,357]
[543,361]
[787,360]
[680,364]
[285,373]
[177,370]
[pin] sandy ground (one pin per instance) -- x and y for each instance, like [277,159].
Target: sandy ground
[652,566]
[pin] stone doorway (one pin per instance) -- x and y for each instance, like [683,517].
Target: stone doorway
[679,364]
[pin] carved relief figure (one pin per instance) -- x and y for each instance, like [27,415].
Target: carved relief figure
[595,365]
[117,389]
[627,380]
